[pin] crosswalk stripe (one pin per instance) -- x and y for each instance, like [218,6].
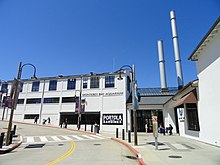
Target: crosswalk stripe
[67,138]
[77,137]
[30,139]
[99,137]
[55,138]
[88,137]
[43,138]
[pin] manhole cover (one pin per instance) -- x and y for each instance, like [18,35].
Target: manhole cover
[97,144]
[131,157]
[35,146]
[60,144]
[175,156]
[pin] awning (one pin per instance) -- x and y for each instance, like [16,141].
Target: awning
[189,98]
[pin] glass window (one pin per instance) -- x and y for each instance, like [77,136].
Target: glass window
[85,82]
[94,82]
[34,101]
[192,117]
[109,81]
[4,88]
[53,85]
[35,86]
[71,84]
[20,101]
[68,100]
[52,100]
[21,87]
[31,116]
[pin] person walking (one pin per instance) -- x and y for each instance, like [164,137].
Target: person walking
[65,126]
[35,120]
[48,119]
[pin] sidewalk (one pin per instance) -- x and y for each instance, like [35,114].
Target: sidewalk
[16,140]
[173,150]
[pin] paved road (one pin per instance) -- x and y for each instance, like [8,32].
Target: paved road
[47,146]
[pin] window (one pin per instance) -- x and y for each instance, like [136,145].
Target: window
[94,82]
[52,100]
[4,88]
[21,87]
[109,81]
[20,101]
[53,85]
[71,84]
[31,116]
[68,100]
[35,86]
[192,117]
[85,82]
[34,101]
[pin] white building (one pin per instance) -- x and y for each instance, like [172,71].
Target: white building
[194,110]
[103,98]
[207,57]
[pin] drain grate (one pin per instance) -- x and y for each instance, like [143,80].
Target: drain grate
[35,146]
[96,144]
[175,156]
[131,157]
[153,143]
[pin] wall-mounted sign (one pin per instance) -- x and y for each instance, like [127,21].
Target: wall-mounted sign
[102,94]
[112,119]
[181,116]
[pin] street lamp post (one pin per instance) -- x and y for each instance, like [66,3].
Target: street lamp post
[14,95]
[134,98]
[79,103]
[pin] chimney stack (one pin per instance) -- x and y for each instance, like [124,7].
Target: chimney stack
[176,50]
[162,66]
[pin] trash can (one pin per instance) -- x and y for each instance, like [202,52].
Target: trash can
[96,128]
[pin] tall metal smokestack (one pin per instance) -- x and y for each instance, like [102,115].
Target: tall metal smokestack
[163,80]
[176,50]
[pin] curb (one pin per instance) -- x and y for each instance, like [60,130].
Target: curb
[11,147]
[138,155]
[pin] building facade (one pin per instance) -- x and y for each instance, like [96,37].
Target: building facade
[84,99]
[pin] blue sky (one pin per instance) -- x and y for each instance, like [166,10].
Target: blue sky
[72,37]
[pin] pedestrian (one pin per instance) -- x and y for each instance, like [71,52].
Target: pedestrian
[170,129]
[65,126]
[48,120]
[35,120]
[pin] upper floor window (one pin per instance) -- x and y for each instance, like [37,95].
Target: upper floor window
[20,101]
[21,86]
[53,85]
[94,82]
[71,84]
[68,99]
[4,88]
[51,100]
[85,82]
[35,86]
[33,101]
[109,81]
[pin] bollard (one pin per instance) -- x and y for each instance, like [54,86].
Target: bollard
[11,137]
[116,132]
[2,139]
[14,129]
[91,128]
[129,136]
[123,134]
[85,127]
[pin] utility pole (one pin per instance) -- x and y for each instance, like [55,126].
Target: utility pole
[14,96]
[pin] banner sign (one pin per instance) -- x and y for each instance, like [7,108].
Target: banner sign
[181,116]
[112,119]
